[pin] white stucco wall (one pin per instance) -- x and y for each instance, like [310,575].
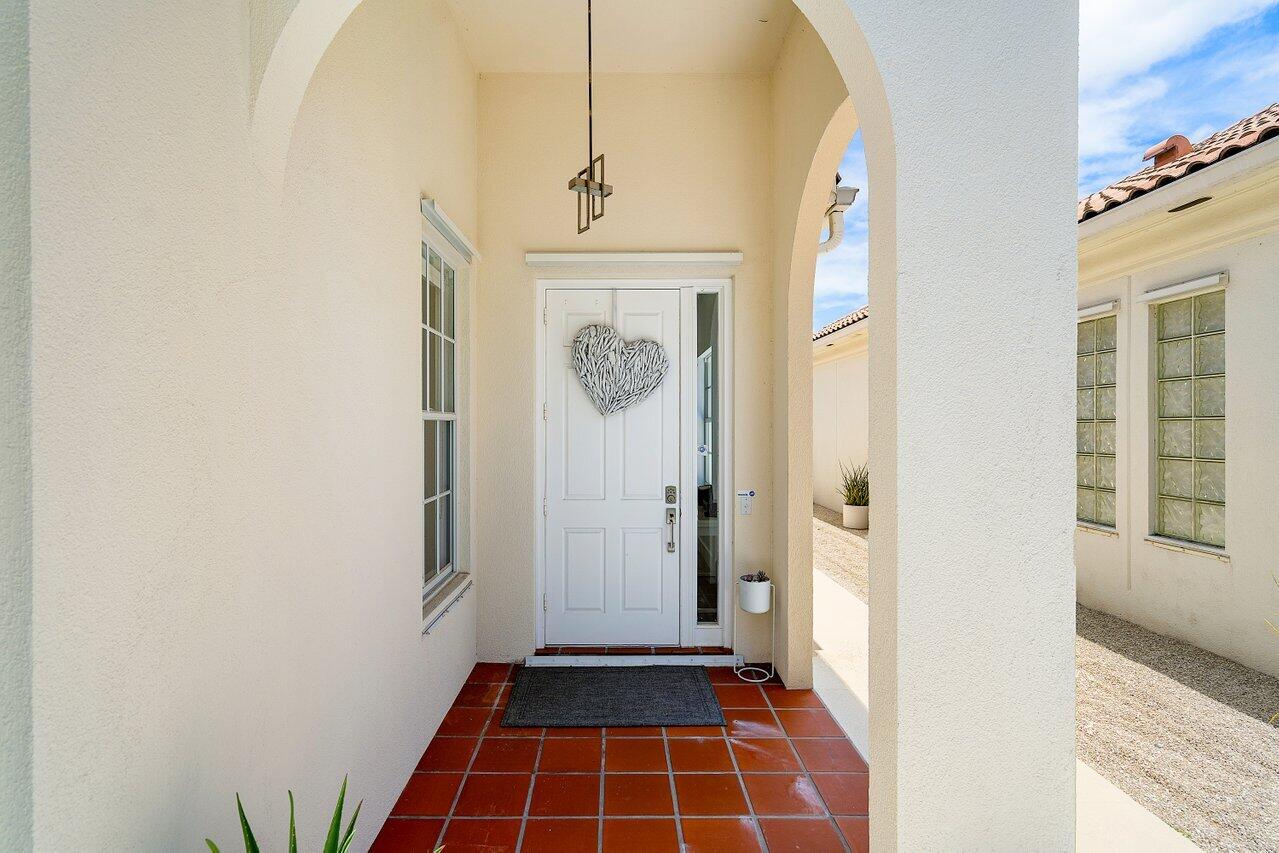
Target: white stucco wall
[1221,606]
[227,451]
[15,433]
[841,418]
[967,612]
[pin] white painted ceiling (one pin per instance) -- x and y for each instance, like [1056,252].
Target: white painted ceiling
[640,36]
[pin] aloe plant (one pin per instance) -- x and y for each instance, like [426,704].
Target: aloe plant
[336,841]
[855,485]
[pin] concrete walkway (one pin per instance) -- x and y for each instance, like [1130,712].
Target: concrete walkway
[1107,819]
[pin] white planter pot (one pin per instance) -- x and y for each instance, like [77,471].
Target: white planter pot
[754,596]
[856,517]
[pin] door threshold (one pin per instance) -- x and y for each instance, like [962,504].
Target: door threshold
[632,660]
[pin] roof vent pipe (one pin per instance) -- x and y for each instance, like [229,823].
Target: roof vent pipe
[1168,150]
[841,198]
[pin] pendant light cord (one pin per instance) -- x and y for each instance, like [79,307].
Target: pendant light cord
[590,92]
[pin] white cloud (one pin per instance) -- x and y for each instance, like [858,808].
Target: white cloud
[1140,80]
[1120,38]
[1105,120]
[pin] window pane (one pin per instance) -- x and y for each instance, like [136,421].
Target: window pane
[1174,319]
[1105,508]
[1174,359]
[429,455]
[430,524]
[1085,504]
[1106,368]
[1175,476]
[448,379]
[1211,524]
[449,300]
[1085,474]
[1210,481]
[446,456]
[1174,399]
[1086,401]
[1175,439]
[1210,439]
[1210,355]
[426,371]
[1085,367]
[435,296]
[1210,397]
[1210,312]
[1084,442]
[1106,472]
[704,458]
[1105,404]
[1087,333]
[426,296]
[435,396]
[445,549]
[1176,518]
[1106,336]
[1106,437]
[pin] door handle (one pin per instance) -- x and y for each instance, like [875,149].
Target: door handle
[670,530]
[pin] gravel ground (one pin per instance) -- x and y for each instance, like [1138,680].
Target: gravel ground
[839,552]
[1182,731]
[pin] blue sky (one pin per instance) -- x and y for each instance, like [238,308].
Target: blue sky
[1147,69]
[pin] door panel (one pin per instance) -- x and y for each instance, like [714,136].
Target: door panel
[610,579]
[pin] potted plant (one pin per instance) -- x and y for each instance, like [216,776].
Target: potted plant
[855,489]
[336,842]
[754,592]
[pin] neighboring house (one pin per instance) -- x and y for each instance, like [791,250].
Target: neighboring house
[1178,393]
[292,437]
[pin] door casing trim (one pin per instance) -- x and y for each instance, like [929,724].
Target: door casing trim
[691,634]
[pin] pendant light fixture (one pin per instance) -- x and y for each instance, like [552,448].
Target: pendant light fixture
[589,183]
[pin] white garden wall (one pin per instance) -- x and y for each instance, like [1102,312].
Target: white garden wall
[841,416]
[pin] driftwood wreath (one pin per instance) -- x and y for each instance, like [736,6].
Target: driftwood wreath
[616,374]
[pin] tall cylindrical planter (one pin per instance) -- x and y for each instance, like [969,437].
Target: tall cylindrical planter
[856,517]
[754,596]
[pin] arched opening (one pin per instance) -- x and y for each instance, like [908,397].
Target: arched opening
[926,220]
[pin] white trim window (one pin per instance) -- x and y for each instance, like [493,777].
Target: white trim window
[1190,410]
[439,418]
[1096,371]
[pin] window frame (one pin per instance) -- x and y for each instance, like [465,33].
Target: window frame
[433,246]
[1158,457]
[1094,321]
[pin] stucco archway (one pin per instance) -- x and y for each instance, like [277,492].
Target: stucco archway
[968,145]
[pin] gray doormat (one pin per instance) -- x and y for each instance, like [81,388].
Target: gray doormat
[588,696]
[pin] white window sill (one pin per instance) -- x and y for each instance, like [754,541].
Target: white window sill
[442,600]
[1184,547]
[1099,529]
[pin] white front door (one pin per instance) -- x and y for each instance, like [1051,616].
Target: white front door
[612,558]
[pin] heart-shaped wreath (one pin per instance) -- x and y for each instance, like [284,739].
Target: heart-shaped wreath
[616,374]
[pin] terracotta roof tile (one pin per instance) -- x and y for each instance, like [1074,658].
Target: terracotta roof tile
[843,322]
[1240,136]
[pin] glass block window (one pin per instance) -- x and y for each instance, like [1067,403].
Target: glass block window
[439,416]
[1190,444]
[1096,371]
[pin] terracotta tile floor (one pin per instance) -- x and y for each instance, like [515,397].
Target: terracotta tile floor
[780,777]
